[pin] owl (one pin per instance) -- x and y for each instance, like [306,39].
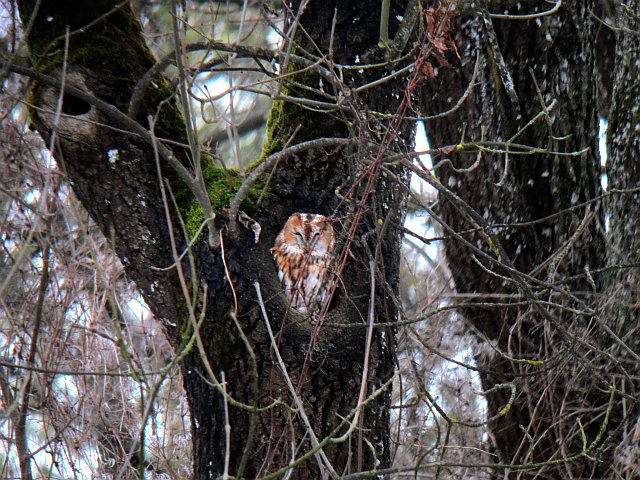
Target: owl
[302,253]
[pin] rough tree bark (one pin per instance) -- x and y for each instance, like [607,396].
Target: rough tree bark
[620,305]
[115,176]
[543,238]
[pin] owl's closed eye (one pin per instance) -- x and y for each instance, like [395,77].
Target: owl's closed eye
[302,253]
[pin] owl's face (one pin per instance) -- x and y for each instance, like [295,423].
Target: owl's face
[307,233]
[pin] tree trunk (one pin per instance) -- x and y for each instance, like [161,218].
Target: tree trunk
[620,304]
[522,230]
[231,374]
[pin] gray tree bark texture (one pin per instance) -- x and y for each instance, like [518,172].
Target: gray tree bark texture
[621,286]
[528,232]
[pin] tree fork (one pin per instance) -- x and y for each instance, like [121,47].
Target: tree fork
[115,177]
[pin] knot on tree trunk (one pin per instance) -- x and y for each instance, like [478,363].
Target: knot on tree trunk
[68,115]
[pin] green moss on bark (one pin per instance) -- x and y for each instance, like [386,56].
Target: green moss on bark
[222,186]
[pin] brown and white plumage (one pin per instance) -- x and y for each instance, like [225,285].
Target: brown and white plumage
[302,254]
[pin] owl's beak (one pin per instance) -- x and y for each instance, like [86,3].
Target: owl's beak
[309,245]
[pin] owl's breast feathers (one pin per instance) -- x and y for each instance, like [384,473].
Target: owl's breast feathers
[284,249]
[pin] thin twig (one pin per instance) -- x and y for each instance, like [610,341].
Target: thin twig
[227,430]
[531,16]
